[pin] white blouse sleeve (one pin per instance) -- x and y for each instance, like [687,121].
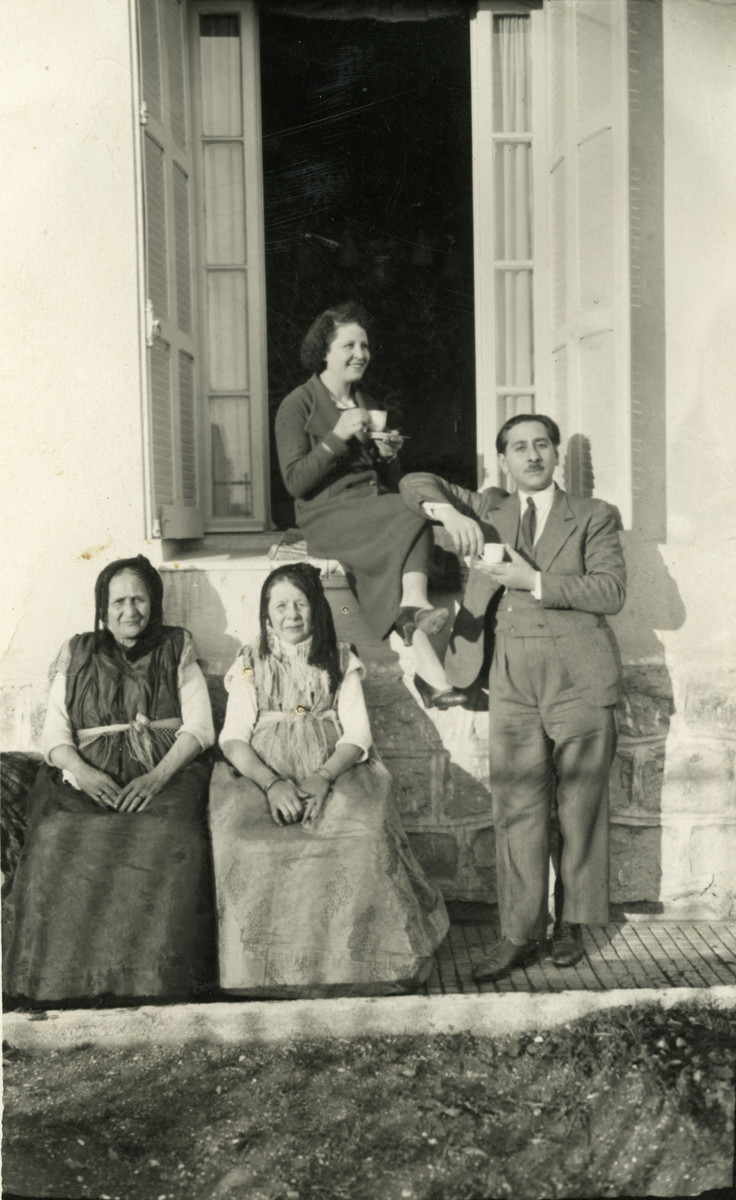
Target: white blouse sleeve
[57,728]
[351,710]
[242,704]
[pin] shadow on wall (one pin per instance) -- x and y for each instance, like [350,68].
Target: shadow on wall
[644,714]
[191,600]
[653,604]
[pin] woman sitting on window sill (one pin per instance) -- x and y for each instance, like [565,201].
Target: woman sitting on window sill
[344,474]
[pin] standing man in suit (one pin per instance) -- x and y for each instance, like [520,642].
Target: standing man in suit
[554,681]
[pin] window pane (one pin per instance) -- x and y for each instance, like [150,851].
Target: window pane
[224,202]
[222,106]
[512,112]
[226,320]
[230,433]
[512,406]
[514,364]
[513,164]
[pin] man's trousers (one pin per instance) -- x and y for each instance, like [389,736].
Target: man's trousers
[547,741]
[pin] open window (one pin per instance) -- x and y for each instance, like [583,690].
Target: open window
[551,213]
[204,267]
[464,175]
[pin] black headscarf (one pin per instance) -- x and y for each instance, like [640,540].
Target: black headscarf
[323,652]
[153,634]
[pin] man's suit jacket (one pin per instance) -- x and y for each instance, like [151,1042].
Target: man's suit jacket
[583,577]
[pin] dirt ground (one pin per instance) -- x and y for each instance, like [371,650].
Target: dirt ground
[633,1102]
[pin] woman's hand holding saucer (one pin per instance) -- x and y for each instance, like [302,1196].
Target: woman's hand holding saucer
[388,444]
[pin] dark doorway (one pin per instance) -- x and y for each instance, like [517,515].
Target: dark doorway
[368,196]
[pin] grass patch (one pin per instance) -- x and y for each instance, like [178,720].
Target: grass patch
[634,1101]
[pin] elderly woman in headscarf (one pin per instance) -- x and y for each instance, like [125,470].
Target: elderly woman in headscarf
[318,891]
[112,899]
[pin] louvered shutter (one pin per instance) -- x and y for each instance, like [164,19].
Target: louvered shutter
[588,230]
[167,179]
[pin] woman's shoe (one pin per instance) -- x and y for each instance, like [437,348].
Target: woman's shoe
[429,620]
[441,698]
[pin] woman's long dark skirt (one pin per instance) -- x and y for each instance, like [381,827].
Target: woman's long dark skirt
[372,536]
[108,905]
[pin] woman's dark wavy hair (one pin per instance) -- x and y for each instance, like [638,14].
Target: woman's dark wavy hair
[154,585]
[321,332]
[324,651]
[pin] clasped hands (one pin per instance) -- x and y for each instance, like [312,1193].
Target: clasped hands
[290,802]
[105,792]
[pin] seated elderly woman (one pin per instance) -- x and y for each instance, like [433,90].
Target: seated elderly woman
[113,895]
[318,891]
[344,476]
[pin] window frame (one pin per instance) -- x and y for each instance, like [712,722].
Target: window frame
[255,275]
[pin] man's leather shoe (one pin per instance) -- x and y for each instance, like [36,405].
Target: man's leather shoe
[503,958]
[567,944]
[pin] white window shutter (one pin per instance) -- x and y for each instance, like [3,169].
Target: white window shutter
[588,229]
[168,217]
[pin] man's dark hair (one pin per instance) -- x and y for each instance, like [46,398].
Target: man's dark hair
[321,332]
[502,437]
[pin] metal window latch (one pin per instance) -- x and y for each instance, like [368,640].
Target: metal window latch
[153,325]
[157,528]
[143,113]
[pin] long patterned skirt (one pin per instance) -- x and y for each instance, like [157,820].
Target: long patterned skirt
[340,907]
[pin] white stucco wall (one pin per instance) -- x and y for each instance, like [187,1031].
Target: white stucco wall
[700,281]
[72,475]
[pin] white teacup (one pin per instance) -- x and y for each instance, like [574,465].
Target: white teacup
[493,552]
[377,419]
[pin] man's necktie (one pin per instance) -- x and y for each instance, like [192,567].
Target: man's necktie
[529,523]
